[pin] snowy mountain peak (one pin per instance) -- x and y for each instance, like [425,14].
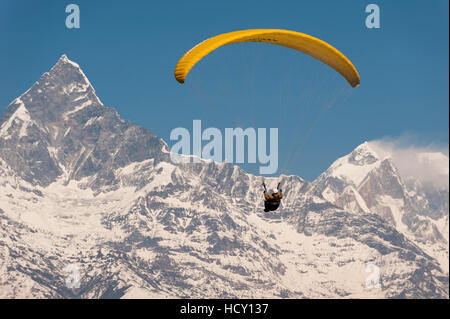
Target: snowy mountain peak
[72,76]
[74,135]
[354,167]
[64,58]
[68,65]
[368,180]
[363,155]
[58,95]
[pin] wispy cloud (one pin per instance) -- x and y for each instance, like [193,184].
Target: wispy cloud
[428,163]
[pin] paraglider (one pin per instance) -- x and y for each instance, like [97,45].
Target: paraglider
[304,43]
[307,44]
[271,202]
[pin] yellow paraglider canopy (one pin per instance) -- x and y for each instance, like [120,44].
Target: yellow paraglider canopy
[307,44]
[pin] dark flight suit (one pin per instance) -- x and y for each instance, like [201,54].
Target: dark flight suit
[272,201]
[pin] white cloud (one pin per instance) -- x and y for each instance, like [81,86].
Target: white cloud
[429,164]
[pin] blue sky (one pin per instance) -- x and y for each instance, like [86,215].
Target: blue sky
[128,50]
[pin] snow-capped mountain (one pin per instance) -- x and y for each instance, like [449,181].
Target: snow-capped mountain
[86,195]
[60,129]
[362,182]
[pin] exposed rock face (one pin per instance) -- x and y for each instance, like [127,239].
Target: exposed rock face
[61,128]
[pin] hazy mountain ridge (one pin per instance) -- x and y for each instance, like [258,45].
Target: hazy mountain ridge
[84,187]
